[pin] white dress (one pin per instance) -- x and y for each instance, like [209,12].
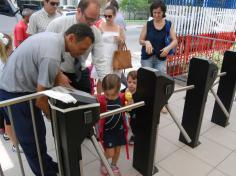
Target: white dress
[109,47]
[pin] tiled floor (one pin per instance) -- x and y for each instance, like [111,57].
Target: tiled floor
[215,156]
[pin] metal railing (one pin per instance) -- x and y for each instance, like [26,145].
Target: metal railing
[197,46]
[8,104]
[30,98]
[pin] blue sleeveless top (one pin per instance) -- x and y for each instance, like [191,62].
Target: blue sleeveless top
[157,39]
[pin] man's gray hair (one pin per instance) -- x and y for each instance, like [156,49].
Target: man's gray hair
[27,12]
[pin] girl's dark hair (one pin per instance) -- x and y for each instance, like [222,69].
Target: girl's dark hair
[81,31]
[158,4]
[115,4]
[111,81]
[112,8]
[132,74]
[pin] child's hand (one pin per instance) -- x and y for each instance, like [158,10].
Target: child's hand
[129,102]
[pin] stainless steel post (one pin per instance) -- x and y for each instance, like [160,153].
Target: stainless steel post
[220,103]
[36,138]
[122,109]
[221,74]
[101,155]
[155,170]
[215,83]
[17,146]
[56,139]
[184,88]
[182,130]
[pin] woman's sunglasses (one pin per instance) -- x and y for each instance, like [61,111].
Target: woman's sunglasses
[108,16]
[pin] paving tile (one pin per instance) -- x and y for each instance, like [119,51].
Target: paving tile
[88,144]
[164,149]
[228,165]
[232,122]
[161,172]
[171,133]
[5,160]
[222,136]
[165,120]
[181,163]
[208,151]
[206,125]
[216,173]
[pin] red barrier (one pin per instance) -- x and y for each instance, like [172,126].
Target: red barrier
[205,45]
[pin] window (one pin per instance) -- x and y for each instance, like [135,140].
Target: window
[5,8]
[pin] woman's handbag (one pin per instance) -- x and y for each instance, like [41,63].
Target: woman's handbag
[122,58]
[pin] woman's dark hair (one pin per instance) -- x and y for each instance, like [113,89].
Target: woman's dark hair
[112,8]
[83,4]
[111,81]
[81,31]
[115,4]
[158,4]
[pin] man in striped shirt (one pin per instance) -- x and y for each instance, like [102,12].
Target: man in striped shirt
[39,20]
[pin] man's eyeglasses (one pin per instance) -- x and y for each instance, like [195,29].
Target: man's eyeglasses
[54,3]
[108,16]
[88,19]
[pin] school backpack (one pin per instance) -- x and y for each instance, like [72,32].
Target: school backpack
[103,108]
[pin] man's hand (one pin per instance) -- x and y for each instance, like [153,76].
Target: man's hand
[62,80]
[42,103]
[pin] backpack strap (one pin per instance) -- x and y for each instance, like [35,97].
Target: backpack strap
[103,108]
[126,128]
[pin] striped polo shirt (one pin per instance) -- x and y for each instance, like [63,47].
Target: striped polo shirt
[39,21]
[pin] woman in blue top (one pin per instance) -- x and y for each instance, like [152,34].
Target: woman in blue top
[157,38]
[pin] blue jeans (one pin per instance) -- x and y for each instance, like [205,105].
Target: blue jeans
[154,62]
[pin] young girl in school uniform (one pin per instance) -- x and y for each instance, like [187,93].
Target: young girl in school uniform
[112,130]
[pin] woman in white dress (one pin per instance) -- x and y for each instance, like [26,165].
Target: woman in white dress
[112,36]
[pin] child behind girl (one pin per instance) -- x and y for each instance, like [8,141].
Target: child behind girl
[5,51]
[112,130]
[132,85]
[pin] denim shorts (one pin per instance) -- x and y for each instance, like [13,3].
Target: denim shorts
[155,63]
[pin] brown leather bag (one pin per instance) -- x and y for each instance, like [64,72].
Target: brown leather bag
[122,58]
